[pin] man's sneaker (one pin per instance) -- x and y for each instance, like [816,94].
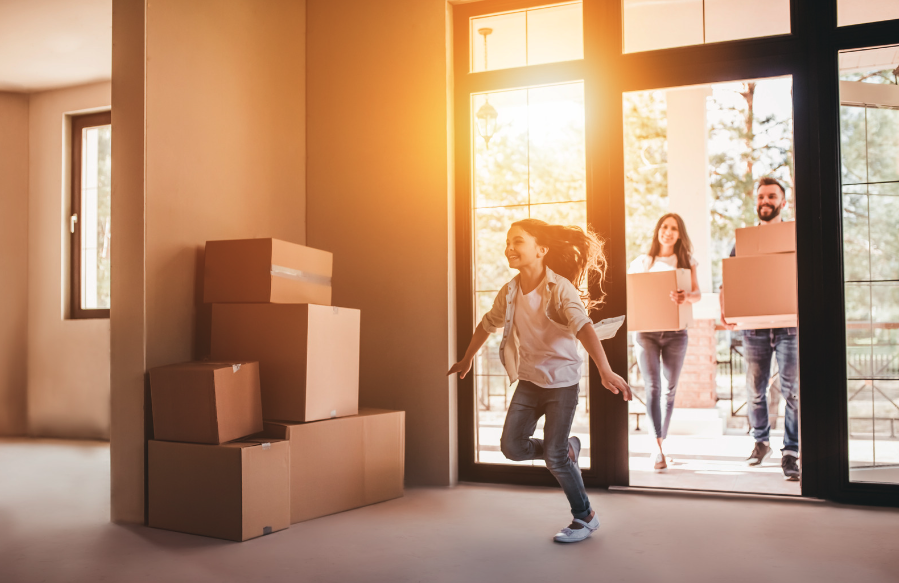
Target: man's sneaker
[790,466]
[759,454]
[658,462]
[574,449]
[577,531]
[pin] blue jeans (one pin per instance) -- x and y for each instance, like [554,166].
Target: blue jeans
[758,348]
[658,354]
[528,404]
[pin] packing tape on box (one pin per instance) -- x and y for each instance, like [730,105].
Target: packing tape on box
[266,445]
[297,275]
[333,413]
[235,367]
[266,530]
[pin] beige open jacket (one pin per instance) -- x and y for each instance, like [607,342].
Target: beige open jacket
[561,303]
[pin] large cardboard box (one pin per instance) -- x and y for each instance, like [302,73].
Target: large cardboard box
[308,356]
[266,270]
[340,464]
[206,402]
[236,491]
[649,304]
[766,239]
[760,291]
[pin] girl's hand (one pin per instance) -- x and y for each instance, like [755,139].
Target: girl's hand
[678,297]
[616,384]
[462,367]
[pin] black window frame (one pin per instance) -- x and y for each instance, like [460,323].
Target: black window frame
[77,125]
[809,54]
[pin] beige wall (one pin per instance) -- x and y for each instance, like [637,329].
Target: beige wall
[13,262]
[68,360]
[377,196]
[224,127]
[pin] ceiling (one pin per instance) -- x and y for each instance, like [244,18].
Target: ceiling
[45,44]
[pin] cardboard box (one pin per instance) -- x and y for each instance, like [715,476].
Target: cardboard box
[340,464]
[760,290]
[649,304]
[236,491]
[266,270]
[766,239]
[206,402]
[308,356]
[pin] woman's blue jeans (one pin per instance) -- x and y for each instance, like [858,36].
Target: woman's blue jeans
[759,346]
[660,354]
[528,404]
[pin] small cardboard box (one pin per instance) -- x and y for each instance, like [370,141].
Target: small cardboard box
[649,304]
[308,356]
[766,239]
[206,402]
[266,270]
[340,464]
[760,291]
[236,491]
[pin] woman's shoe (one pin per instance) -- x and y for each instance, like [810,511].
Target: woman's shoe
[658,462]
[575,535]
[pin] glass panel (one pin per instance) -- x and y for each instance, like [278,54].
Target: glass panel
[853,153]
[860,11]
[555,34]
[95,217]
[501,152]
[883,145]
[859,330]
[884,237]
[856,238]
[869,147]
[736,19]
[557,157]
[535,155]
[499,42]
[661,24]
[528,37]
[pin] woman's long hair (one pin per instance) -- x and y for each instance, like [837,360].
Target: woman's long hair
[683,249]
[574,254]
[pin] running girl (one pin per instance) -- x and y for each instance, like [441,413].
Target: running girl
[543,314]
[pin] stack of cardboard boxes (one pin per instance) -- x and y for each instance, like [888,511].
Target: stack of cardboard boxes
[760,281]
[284,383]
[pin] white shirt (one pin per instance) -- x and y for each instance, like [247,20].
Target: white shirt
[548,351]
[641,264]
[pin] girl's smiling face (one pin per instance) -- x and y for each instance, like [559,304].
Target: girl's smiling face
[668,233]
[522,249]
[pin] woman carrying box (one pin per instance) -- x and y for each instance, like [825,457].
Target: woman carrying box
[662,353]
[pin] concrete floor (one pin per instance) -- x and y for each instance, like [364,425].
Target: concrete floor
[54,526]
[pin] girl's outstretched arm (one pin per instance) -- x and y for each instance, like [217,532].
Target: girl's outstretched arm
[610,380]
[478,339]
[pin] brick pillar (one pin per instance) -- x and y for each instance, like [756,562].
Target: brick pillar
[697,385]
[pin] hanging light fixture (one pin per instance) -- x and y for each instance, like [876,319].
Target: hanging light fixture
[486,115]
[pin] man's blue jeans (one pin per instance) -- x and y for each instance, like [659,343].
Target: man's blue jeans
[528,404]
[758,348]
[660,354]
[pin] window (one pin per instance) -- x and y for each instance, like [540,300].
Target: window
[89,222]
[661,24]
[860,11]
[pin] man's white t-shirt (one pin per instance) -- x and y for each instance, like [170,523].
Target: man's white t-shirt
[547,352]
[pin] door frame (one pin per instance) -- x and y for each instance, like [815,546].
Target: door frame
[809,54]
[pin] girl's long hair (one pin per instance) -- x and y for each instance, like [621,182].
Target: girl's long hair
[683,249]
[574,254]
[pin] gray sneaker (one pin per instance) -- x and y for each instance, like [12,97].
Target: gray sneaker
[790,467]
[759,454]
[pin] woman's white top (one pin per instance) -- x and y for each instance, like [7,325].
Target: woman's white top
[642,264]
[547,351]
